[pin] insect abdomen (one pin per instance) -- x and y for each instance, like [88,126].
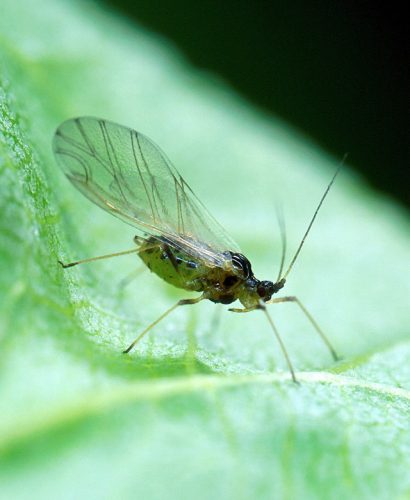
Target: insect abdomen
[174,267]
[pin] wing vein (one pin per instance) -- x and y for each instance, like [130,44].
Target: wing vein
[132,133]
[126,174]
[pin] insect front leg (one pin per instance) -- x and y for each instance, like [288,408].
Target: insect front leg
[183,302]
[311,319]
[261,306]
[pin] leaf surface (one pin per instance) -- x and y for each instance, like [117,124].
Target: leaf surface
[204,407]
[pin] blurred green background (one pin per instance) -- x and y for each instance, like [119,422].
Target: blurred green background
[203,408]
[338,71]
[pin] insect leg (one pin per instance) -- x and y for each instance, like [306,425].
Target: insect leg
[101,257]
[244,310]
[279,339]
[182,302]
[275,331]
[130,277]
[215,319]
[312,321]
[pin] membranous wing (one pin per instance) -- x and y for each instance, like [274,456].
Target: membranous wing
[126,174]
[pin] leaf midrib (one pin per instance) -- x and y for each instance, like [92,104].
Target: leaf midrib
[112,398]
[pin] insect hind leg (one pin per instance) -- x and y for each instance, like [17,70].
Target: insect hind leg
[313,322]
[138,240]
[182,302]
[92,259]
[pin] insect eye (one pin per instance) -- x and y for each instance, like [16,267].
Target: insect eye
[265,289]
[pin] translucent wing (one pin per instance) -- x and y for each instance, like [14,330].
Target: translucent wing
[126,174]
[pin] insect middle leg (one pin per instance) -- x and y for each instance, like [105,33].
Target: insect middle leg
[312,321]
[130,277]
[182,302]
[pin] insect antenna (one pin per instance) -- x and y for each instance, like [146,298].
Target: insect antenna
[313,219]
[280,217]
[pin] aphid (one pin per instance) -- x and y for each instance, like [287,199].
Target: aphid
[126,174]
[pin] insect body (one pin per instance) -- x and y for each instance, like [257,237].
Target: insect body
[126,174]
[224,284]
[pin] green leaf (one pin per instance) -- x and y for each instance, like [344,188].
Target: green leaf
[204,408]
